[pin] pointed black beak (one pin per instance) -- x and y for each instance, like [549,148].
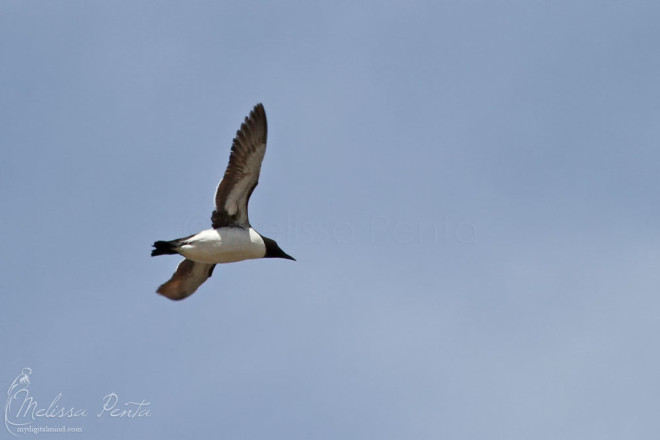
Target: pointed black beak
[274,251]
[288,257]
[279,253]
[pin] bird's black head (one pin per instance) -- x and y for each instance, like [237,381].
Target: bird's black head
[274,251]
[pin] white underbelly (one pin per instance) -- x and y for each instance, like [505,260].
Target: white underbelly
[224,245]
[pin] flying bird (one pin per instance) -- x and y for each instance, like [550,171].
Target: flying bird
[231,237]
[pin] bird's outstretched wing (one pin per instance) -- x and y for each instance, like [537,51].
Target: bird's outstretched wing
[188,277]
[242,174]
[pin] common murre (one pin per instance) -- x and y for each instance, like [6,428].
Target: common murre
[231,238]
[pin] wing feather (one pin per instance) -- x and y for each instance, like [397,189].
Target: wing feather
[188,277]
[242,174]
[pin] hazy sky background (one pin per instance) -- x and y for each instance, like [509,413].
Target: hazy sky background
[470,188]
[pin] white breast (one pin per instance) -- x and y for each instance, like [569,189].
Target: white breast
[224,245]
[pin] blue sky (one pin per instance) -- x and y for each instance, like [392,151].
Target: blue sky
[470,189]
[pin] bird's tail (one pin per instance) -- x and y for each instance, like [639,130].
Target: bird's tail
[164,248]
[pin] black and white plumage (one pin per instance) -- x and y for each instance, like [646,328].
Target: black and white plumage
[231,238]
